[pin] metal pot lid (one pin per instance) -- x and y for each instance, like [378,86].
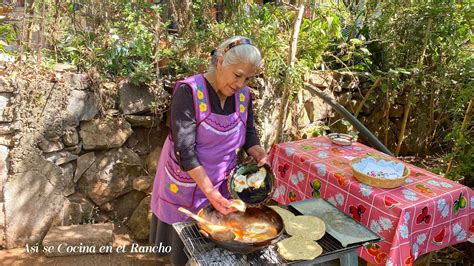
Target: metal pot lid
[252,184]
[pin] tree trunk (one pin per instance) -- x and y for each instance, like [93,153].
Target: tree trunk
[39,48]
[157,48]
[375,85]
[465,121]
[291,61]
[411,95]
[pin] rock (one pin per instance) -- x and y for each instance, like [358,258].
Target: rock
[70,137]
[134,99]
[146,121]
[5,85]
[106,206]
[50,146]
[344,98]
[19,84]
[60,158]
[68,173]
[82,106]
[139,222]
[6,115]
[77,81]
[7,128]
[85,238]
[52,135]
[321,79]
[122,237]
[396,110]
[349,82]
[104,133]
[4,151]
[122,207]
[83,163]
[2,226]
[76,149]
[79,210]
[143,140]
[132,142]
[152,160]
[59,67]
[143,183]
[142,121]
[317,109]
[376,118]
[337,88]
[4,100]
[111,175]
[32,201]
[6,140]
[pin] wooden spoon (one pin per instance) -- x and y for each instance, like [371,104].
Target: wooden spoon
[218,232]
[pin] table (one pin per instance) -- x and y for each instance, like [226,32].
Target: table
[427,213]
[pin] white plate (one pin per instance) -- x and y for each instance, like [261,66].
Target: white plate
[341,139]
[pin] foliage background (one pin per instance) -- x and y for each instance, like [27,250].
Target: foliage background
[418,52]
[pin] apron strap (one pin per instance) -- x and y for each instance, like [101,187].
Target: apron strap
[202,106]
[242,99]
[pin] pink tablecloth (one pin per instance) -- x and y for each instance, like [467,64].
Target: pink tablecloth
[427,213]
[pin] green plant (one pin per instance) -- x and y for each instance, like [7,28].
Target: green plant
[7,37]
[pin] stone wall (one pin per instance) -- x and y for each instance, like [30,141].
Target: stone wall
[65,159]
[77,151]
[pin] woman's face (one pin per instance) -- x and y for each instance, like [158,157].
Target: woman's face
[232,78]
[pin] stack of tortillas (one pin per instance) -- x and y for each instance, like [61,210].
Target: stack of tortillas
[304,230]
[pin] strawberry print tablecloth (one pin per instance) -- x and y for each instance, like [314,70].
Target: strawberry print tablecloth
[427,213]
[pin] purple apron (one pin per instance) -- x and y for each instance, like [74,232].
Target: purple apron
[217,139]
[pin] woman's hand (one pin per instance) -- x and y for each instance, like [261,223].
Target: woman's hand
[212,194]
[258,154]
[219,202]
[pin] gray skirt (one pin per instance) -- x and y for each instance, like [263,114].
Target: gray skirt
[165,234]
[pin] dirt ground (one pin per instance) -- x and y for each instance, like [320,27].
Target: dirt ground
[20,257]
[122,236]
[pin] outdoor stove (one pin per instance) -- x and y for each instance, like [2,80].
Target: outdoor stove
[202,251]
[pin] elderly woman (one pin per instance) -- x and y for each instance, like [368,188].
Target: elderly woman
[211,117]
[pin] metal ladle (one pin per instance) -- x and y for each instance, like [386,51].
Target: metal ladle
[218,232]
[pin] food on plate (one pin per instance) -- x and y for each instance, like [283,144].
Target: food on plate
[256,180]
[309,227]
[240,183]
[284,214]
[238,205]
[299,248]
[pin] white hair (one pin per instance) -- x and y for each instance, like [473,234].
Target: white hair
[240,54]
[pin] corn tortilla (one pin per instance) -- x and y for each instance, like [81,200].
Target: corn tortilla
[285,214]
[309,227]
[298,248]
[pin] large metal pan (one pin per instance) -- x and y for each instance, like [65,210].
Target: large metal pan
[260,213]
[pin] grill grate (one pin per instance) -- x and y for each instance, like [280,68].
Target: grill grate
[204,252]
